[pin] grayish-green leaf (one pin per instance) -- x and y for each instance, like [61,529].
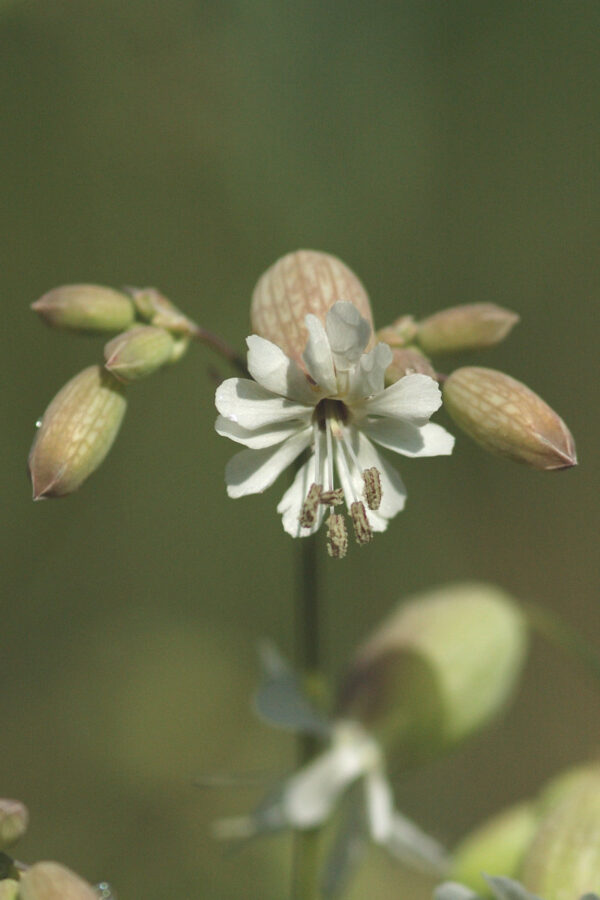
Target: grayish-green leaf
[450,890]
[280,700]
[349,845]
[507,889]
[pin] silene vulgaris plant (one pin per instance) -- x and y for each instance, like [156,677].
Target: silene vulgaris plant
[324,391]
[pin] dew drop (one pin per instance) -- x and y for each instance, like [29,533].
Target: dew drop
[38,424]
[105,892]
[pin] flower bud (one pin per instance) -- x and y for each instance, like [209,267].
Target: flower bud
[86,308]
[440,667]
[76,432]
[297,284]
[400,333]
[9,889]
[467,327]
[508,419]
[563,861]
[498,845]
[139,352]
[13,822]
[51,881]
[152,306]
[407,360]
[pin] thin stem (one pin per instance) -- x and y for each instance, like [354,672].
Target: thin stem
[220,346]
[563,636]
[307,647]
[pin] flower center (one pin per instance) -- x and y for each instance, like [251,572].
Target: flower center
[334,451]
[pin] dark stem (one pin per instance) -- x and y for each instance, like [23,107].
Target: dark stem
[220,346]
[307,655]
[563,636]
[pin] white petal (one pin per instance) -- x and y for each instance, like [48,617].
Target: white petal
[291,503]
[276,372]
[414,397]
[251,406]
[253,471]
[317,356]
[311,795]
[380,806]
[393,492]
[408,439]
[369,375]
[255,438]
[348,334]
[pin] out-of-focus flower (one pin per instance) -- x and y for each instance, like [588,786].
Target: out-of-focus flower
[51,881]
[338,407]
[13,822]
[507,418]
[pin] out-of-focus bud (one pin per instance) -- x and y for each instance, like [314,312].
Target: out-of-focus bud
[51,881]
[400,333]
[563,861]
[497,846]
[13,822]
[298,284]
[467,327]
[86,308]
[441,666]
[154,307]
[9,889]
[508,419]
[76,432]
[139,352]
[407,360]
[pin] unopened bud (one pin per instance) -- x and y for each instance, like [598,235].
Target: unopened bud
[407,361]
[13,822]
[157,310]
[298,284]
[9,889]
[139,352]
[467,327]
[508,419]
[51,881]
[563,861]
[497,846]
[400,333]
[86,308]
[76,432]
[440,667]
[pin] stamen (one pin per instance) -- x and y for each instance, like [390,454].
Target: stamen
[337,536]
[329,455]
[372,489]
[308,513]
[332,498]
[362,529]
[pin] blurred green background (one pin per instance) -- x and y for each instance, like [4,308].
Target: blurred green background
[448,152]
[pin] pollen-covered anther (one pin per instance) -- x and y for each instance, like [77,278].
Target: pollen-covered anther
[372,488]
[332,498]
[337,536]
[308,513]
[362,530]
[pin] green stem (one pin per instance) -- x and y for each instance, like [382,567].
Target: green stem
[563,636]
[305,878]
[221,347]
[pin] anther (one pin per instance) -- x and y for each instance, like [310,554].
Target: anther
[337,536]
[332,498]
[308,513]
[362,529]
[372,488]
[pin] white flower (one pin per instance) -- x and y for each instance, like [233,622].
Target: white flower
[338,410]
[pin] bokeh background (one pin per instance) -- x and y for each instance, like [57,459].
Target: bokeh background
[448,152]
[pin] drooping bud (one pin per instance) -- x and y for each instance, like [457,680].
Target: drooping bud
[400,333]
[497,846]
[87,308]
[298,284]
[508,419]
[563,861]
[440,667]
[51,881]
[9,889]
[468,327]
[407,361]
[139,352]
[13,822]
[76,432]
[156,309]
